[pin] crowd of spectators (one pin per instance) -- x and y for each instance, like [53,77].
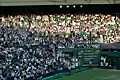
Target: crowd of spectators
[29,43]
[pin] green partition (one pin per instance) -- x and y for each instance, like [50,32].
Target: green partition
[59,75]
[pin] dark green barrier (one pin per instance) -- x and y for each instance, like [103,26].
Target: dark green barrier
[59,75]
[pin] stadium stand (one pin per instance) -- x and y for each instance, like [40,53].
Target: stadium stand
[29,43]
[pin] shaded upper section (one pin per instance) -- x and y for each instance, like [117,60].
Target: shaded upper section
[53,9]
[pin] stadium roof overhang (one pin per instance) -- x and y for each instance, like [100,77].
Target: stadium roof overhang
[55,2]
